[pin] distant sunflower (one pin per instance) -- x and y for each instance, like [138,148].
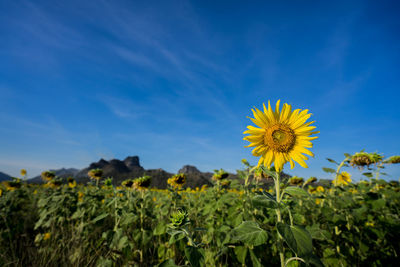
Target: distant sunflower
[177,181]
[342,179]
[142,183]
[283,136]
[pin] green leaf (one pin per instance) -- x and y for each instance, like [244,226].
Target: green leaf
[178,235]
[347,155]
[315,261]
[100,217]
[168,263]
[122,243]
[160,229]
[268,172]
[317,233]
[295,191]
[297,238]
[129,219]
[78,214]
[241,253]
[262,201]
[378,204]
[368,174]
[250,233]
[328,170]
[256,262]
[194,256]
[332,161]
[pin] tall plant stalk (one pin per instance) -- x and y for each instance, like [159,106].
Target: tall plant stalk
[279,217]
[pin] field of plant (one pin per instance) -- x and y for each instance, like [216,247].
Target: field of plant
[76,225]
[291,222]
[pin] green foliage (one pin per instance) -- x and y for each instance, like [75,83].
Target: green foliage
[250,233]
[356,225]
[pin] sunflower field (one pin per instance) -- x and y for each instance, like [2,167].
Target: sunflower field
[353,225]
[290,222]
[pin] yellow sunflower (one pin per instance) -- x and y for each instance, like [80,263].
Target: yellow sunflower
[283,136]
[342,179]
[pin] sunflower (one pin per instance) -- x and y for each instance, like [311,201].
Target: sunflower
[46,236]
[342,179]
[177,181]
[296,180]
[142,183]
[48,176]
[283,136]
[220,175]
[95,174]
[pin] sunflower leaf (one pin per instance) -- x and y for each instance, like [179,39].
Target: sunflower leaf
[328,170]
[297,238]
[295,191]
[368,174]
[250,233]
[332,161]
[262,201]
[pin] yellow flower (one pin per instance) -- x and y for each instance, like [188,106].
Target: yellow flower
[95,174]
[23,172]
[80,196]
[1,192]
[48,176]
[72,184]
[370,224]
[46,236]
[353,191]
[318,201]
[283,136]
[342,179]
[142,183]
[177,181]
[320,189]
[312,190]
[35,192]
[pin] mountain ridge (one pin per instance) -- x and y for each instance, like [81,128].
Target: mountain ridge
[130,168]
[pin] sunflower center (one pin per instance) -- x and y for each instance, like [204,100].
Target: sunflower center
[280,138]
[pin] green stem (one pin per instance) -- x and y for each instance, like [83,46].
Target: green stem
[378,170]
[141,222]
[279,217]
[338,169]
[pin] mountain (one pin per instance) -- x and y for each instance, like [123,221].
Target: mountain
[63,173]
[130,168]
[4,177]
[120,170]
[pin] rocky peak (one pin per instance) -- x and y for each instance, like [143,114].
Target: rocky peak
[189,169]
[117,165]
[100,164]
[132,162]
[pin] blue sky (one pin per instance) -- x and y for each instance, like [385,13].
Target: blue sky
[173,81]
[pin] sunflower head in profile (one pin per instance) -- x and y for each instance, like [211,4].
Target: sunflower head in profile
[296,180]
[48,176]
[142,183]
[362,159]
[281,136]
[393,160]
[220,175]
[95,174]
[177,181]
